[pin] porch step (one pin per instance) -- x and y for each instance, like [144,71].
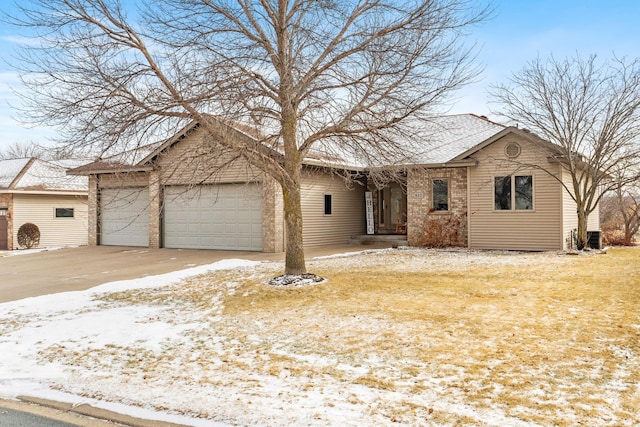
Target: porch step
[391,239]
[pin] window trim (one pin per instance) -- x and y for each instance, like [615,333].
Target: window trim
[433,193]
[56,216]
[512,200]
[328,204]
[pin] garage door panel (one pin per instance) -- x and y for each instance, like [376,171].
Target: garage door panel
[226,216]
[124,214]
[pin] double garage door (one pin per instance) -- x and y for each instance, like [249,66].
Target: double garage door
[225,216]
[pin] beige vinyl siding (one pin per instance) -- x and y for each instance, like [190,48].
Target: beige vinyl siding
[348,212]
[538,229]
[124,180]
[196,159]
[39,209]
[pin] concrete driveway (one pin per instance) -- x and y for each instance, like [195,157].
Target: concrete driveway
[74,269]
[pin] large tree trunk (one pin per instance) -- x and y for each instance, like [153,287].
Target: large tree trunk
[581,242]
[294,260]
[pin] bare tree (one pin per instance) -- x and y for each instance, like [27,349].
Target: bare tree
[589,112]
[19,150]
[359,74]
[620,210]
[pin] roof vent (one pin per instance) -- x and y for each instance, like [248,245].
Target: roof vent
[512,150]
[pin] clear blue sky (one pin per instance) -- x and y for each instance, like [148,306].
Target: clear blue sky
[519,31]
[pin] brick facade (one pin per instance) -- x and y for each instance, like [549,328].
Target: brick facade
[420,201]
[6,201]
[93,210]
[155,210]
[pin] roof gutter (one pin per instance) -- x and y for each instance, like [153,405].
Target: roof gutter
[47,192]
[109,171]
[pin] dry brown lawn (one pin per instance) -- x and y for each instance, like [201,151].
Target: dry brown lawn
[411,337]
[544,338]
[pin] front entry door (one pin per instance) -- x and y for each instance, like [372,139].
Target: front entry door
[4,232]
[392,208]
[398,208]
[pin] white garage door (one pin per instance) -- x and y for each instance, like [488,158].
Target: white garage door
[124,217]
[225,216]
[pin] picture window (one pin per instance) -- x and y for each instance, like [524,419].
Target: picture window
[513,192]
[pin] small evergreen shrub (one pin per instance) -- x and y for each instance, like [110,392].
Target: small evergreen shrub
[28,235]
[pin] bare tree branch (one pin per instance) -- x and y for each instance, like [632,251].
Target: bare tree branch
[313,76]
[590,112]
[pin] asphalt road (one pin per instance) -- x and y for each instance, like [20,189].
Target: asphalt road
[13,418]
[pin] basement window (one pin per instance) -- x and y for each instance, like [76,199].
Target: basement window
[64,212]
[328,208]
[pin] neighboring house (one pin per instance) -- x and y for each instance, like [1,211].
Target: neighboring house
[40,192]
[481,176]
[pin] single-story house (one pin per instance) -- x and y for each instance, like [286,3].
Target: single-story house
[483,180]
[40,192]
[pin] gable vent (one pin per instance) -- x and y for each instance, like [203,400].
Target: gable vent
[512,150]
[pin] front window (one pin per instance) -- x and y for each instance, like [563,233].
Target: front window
[524,192]
[513,191]
[440,195]
[502,193]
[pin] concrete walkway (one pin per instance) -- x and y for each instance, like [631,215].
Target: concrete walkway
[75,269]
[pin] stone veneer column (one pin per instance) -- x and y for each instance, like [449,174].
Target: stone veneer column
[272,216]
[92,200]
[419,195]
[155,209]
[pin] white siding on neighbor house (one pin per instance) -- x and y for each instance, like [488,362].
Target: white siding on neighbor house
[537,229]
[347,218]
[39,209]
[225,216]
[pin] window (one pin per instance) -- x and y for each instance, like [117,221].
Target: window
[327,204]
[502,193]
[441,194]
[524,192]
[513,191]
[64,212]
[3,211]
[381,207]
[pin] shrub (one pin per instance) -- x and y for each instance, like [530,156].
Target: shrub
[612,237]
[444,231]
[28,235]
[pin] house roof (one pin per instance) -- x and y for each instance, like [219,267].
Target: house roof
[32,174]
[435,142]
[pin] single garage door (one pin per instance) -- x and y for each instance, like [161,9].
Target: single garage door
[124,217]
[224,216]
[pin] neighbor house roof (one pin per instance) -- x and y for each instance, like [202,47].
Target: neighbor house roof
[37,175]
